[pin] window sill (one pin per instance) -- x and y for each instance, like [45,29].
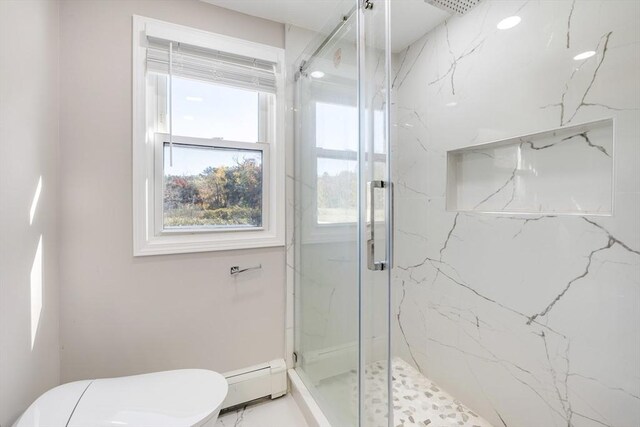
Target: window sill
[181,244]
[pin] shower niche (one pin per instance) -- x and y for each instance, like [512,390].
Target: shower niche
[568,170]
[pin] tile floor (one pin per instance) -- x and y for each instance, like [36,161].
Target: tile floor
[281,412]
[417,402]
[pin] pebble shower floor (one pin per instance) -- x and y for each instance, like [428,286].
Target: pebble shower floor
[417,401]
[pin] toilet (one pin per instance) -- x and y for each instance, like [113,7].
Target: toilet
[180,398]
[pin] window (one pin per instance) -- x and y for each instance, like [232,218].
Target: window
[337,163]
[330,162]
[208,153]
[336,145]
[206,110]
[210,186]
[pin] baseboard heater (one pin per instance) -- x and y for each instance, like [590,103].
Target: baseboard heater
[264,380]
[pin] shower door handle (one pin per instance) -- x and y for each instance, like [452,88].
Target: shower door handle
[372,263]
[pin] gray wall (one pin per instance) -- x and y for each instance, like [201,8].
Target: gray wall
[123,315]
[119,315]
[29,35]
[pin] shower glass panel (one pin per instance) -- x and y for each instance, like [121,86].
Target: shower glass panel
[343,199]
[327,262]
[376,196]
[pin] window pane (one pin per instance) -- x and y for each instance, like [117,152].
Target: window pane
[205,110]
[336,127]
[337,191]
[212,187]
[336,131]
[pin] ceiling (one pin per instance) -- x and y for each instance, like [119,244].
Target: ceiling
[410,19]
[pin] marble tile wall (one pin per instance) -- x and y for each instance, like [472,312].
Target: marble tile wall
[530,320]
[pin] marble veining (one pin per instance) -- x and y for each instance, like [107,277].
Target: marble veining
[564,171]
[530,319]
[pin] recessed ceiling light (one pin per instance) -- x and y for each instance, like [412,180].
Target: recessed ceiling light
[317,74]
[584,55]
[509,22]
[451,104]
[194,98]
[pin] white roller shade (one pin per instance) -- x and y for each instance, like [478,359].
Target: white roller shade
[211,65]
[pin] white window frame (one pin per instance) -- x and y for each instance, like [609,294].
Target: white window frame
[148,236]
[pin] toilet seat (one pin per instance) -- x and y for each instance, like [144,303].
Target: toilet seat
[181,398]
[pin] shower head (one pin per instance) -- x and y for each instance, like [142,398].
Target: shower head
[459,7]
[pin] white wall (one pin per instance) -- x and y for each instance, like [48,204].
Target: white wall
[29,39]
[123,315]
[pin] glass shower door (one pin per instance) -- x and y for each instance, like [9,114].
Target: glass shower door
[327,257]
[343,200]
[376,190]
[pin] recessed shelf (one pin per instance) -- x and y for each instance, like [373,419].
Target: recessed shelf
[568,170]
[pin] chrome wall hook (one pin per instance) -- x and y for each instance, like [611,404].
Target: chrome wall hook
[237,270]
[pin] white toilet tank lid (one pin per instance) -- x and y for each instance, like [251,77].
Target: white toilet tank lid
[181,398]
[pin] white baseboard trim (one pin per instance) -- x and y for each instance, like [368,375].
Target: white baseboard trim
[307,404]
[254,382]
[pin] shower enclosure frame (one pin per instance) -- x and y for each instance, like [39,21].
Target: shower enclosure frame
[474,288]
[373,234]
